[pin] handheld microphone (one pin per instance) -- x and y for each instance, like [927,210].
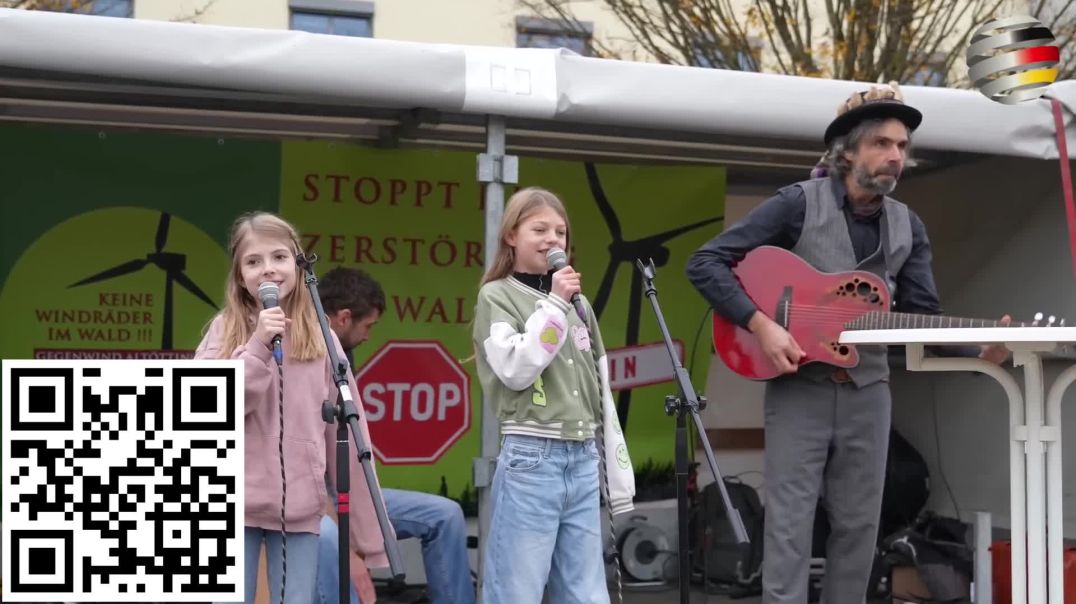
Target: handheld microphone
[557,259]
[269,292]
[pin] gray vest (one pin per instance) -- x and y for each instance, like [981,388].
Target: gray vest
[826,245]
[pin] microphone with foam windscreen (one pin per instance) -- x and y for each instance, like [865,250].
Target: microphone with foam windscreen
[269,292]
[557,259]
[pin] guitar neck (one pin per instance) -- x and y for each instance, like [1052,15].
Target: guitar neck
[900,320]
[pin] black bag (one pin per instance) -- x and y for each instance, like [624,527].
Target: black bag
[907,486]
[717,556]
[937,547]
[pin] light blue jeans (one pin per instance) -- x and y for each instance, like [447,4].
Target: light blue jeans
[302,564]
[436,521]
[546,526]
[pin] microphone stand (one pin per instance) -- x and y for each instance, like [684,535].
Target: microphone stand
[688,402]
[345,414]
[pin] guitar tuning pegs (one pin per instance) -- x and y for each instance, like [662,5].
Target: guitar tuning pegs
[1051,320]
[1038,317]
[1061,323]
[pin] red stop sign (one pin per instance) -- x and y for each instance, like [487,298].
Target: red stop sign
[417,400]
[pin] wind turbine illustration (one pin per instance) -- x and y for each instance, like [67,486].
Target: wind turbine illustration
[171,263]
[621,251]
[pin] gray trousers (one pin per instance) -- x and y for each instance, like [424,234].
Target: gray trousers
[830,440]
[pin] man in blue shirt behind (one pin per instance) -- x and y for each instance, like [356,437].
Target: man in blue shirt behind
[353,303]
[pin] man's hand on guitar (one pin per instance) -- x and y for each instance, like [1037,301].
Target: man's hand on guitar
[996,353]
[777,344]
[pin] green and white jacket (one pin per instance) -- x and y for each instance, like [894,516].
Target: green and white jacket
[544,374]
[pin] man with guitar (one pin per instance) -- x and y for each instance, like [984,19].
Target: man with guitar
[826,422]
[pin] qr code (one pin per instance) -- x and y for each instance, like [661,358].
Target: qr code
[122,481]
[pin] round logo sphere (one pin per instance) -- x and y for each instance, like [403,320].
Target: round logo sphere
[1012,59]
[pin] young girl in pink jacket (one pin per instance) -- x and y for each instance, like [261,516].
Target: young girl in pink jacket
[284,508]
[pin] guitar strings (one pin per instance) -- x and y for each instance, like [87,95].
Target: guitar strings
[861,313]
[838,314]
[898,320]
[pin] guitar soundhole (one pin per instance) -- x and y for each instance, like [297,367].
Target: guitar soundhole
[864,290]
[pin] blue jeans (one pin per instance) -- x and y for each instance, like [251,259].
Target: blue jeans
[546,525]
[302,564]
[437,522]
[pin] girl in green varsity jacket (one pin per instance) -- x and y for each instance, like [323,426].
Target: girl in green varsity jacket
[543,368]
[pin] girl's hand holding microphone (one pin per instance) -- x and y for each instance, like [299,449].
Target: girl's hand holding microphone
[566,283]
[271,323]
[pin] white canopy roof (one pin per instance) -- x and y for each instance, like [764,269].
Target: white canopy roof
[95,70]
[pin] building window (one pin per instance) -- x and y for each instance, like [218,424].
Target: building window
[932,73]
[335,17]
[103,8]
[535,32]
[112,8]
[747,59]
[744,61]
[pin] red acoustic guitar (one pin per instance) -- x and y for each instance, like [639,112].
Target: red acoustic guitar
[815,307]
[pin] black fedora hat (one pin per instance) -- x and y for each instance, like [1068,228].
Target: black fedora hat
[880,102]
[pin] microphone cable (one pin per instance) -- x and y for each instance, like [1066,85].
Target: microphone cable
[283,490]
[613,554]
[269,292]
[610,553]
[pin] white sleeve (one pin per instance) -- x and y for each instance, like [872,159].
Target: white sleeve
[618,466]
[519,358]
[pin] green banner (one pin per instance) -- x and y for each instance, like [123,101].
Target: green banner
[414,219]
[113,245]
[152,209]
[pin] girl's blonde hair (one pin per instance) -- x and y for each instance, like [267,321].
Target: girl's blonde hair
[241,309]
[521,206]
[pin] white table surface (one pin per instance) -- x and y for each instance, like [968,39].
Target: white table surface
[957,335]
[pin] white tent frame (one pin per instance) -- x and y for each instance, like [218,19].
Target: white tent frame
[121,73]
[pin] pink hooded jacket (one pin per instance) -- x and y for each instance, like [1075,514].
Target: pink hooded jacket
[309,444]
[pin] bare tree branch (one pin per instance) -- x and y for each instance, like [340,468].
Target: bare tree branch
[866,40]
[196,14]
[87,7]
[65,6]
